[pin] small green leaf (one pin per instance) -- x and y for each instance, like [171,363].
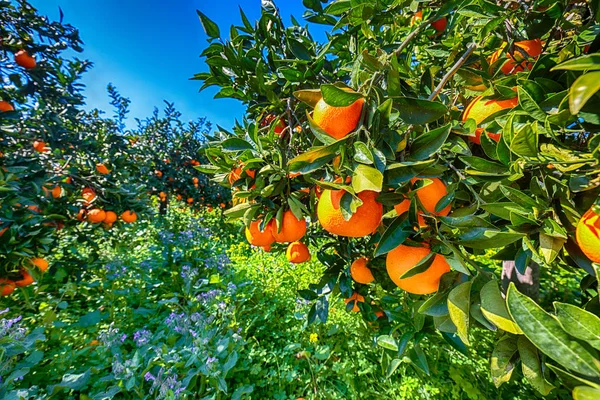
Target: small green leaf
[501,364]
[396,233]
[366,178]
[387,342]
[550,247]
[459,302]
[493,307]
[532,367]
[429,143]
[309,96]
[419,111]
[420,267]
[582,90]
[211,29]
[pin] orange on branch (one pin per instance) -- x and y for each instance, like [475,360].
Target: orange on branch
[41,263]
[26,280]
[101,168]
[403,258]
[89,195]
[56,192]
[6,106]
[256,237]
[110,218]
[337,122]
[40,146]
[6,287]
[479,109]
[96,216]
[363,222]
[292,228]
[518,61]
[23,59]
[129,216]
[360,272]
[429,196]
[297,253]
[587,235]
[356,298]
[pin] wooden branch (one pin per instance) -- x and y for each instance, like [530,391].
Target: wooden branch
[452,71]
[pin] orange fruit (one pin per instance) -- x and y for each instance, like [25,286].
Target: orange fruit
[587,235]
[363,222]
[101,168]
[40,146]
[266,248]
[129,216]
[96,216]
[255,236]
[360,272]
[158,173]
[479,109]
[6,287]
[110,218]
[81,214]
[518,62]
[190,200]
[281,125]
[403,258]
[195,180]
[88,195]
[6,106]
[23,59]
[3,230]
[41,263]
[337,122]
[440,24]
[292,228]
[94,343]
[356,298]
[26,280]
[417,17]
[56,192]
[379,314]
[297,253]
[34,208]
[429,196]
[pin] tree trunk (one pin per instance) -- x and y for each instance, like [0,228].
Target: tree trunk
[527,283]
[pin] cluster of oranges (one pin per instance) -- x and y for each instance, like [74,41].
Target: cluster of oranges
[97,215]
[22,59]
[8,286]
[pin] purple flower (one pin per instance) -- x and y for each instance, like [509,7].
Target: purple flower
[211,360]
[142,337]
[11,328]
[149,377]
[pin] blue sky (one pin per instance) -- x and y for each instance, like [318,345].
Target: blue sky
[149,49]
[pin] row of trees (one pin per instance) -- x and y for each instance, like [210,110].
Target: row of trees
[69,173]
[419,135]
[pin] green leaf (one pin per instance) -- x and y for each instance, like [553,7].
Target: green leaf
[418,358]
[459,302]
[501,364]
[588,62]
[582,90]
[313,159]
[550,247]
[493,307]
[309,96]
[429,143]
[531,366]
[336,97]
[586,393]
[387,342]
[398,231]
[236,144]
[579,323]
[362,153]
[420,267]
[525,141]
[211,29]
[484,238]
[530,105]
[366,178]
[419,111]
[546,333]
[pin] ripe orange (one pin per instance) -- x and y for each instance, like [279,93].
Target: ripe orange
[281,125]
[266,248]
[158,173]
[440,24]
[81,215]
[3,230]
[23,59]
[518,62]
[96,216]
[6,106]
[195,180]
[40,146]
[360,272]
[356,298]
[26,280]
[179,197]
[190,200]
[588,235]
[6,287]
[428,196]
[363,222]
[41,263]
[88,195]
[255,236]
[403,258]
[292,228]
[479,109]
[56,192]
[210,208]
[417,17]
[110,218]
[129,216]
[337,122]
[297,253]
[101,168]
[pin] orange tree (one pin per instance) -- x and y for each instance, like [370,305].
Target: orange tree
[168,152]
[60,167]
[420,136]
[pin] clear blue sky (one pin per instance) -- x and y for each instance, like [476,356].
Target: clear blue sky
[149,49]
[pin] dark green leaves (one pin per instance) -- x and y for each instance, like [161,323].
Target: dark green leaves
[429,143]
[236,144]
[398,231]
[419,111]
[588,62]
[211,29]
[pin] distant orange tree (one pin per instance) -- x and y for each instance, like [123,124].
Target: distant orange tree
[419,136]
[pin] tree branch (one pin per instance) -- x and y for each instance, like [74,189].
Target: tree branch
[452,71]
